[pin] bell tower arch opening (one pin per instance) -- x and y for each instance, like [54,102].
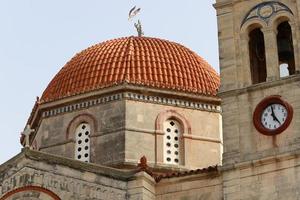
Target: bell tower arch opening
[257,56]
[285,49]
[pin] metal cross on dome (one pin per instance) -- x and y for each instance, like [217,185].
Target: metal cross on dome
[27,131]
[138,25]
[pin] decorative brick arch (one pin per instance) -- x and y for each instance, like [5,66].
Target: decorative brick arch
[82,118]
[30,188]
[172,114]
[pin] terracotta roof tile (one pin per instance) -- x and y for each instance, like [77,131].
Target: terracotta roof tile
[158,178]
[136,60]
[143,166]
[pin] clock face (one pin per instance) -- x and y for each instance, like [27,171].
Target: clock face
[274,116]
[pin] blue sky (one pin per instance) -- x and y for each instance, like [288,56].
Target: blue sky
[38,37]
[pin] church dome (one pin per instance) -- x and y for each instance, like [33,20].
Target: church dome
[140,61]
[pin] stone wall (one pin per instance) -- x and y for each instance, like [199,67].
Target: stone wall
[66,182]
[124,128]
[202,145]
[56,133]
[41,176]
[193,187]
[239,96]
[274,178]
[242,141]
[256,166]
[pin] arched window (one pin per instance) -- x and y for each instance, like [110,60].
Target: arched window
[257,56]
[82,146]
[172,142]
[285,49]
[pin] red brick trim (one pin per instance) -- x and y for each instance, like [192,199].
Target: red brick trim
[87,118]
[172,114]
[30,188]
[159,132]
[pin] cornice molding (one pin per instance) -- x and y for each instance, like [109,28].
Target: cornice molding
[263,161]
[197,105]
[260,86]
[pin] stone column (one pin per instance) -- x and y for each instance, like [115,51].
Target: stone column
[270,38]
[245,72]
[295,45]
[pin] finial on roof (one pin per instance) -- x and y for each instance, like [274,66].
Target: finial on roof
[139,28]
[138,25]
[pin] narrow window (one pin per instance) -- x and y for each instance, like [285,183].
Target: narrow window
[172,142]
[82,147]
[285,49]
[257,56]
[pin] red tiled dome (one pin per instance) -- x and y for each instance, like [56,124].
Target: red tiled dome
[138,61]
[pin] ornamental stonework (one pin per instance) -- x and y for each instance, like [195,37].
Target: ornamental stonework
[265,11]
[62,185]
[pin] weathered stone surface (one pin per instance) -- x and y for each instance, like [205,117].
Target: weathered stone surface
[141,119]
[128,126]
[55,136]
[70,179]
[256,166]
[63,177]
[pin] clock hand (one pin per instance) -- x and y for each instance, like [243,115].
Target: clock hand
[274,116]
[276,119]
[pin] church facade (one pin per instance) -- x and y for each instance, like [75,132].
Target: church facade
[146,118]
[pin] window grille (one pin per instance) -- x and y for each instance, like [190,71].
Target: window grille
[82,147]
[172,144]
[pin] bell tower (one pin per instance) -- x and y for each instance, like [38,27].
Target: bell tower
[259,44]
[259,61]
